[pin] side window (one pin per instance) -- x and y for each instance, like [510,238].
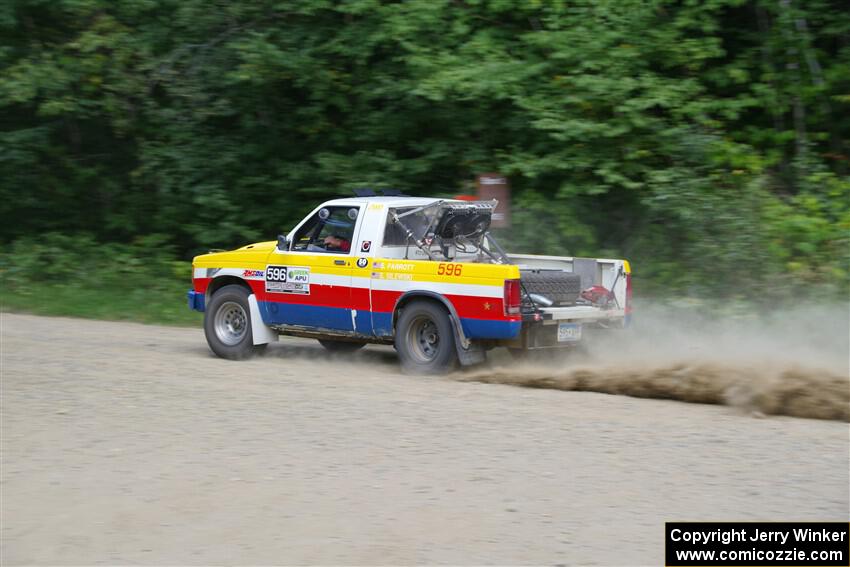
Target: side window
[331,230]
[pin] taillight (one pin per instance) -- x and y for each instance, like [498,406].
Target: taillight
[628,308]
[513,301]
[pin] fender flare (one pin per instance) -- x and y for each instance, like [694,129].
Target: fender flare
[467,352]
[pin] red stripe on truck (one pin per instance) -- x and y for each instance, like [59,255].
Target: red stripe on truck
[381,301]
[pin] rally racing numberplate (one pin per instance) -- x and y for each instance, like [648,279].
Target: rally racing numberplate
[569,332]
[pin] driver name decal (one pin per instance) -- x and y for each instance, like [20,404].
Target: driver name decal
[288,279]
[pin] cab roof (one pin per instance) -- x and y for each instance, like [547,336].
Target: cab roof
[394,201]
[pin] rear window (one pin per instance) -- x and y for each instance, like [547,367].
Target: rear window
[418,223]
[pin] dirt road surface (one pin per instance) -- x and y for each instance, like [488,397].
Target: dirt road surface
[131,444]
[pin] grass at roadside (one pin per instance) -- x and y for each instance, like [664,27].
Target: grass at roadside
[75,276]
[163,305]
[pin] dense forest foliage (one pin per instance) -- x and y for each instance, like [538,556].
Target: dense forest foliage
[705,140]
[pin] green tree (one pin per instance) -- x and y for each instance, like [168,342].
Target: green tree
[706,141]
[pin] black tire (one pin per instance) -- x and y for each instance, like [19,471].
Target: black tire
[342,347]
[562,288]
[424,338]
[227,324]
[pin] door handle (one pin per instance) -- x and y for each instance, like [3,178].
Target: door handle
[340,262]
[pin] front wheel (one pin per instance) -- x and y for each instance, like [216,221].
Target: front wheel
[425,339]
[227,324]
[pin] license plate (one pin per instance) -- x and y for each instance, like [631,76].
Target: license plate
[569,332]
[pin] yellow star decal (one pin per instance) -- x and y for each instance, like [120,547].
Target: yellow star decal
[486,307]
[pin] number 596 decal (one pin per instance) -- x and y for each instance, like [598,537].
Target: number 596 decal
[449,269]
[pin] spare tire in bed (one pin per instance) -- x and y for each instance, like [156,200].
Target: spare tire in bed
[563,288]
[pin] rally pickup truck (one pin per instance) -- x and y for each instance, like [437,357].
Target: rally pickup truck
[423,274]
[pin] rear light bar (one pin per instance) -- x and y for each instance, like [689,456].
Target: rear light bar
[513,299]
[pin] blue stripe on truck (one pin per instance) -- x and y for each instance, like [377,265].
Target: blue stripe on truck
[339,319]
[490,329]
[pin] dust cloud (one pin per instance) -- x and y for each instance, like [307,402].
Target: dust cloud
[795,362]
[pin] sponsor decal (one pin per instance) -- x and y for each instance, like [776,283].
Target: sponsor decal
[288,279]
[377,265]
[362,262]
[253,274]
[366,246]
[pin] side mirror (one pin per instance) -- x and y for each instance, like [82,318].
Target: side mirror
[282,244]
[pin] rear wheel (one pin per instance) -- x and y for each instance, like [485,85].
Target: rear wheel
[425,339]
[227,324]
[341,347]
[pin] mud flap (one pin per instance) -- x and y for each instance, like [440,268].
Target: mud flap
[260,332]
[475,354]
[472,353]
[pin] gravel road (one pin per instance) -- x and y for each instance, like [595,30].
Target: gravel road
[132,444]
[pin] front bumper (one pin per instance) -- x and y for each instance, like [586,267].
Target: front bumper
[196,300]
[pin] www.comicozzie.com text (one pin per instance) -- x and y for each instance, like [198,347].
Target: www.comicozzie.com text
[743,534]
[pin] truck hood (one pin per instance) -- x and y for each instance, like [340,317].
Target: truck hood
[259,246]
[250,253]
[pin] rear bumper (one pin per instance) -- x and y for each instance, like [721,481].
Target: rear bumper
[540,330]
[581,313]
[196,300]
